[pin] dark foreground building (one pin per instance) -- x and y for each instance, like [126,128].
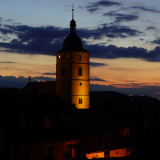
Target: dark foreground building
[41,126]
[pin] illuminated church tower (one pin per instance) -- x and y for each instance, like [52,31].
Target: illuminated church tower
[72,70]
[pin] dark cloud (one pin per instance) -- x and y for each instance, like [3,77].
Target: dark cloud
[11,81]
[7,62]
[49,73]
[157,41]
[143,8]
[92,7]
[94,64]
[112,51]
[47,40]
[151,28]
[20,82]
[121,17]
[152,91]
[108,3]
[97,79]
[111,31]
[42,78]
[6,31]
[33,39]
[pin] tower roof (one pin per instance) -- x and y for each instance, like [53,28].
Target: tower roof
[72,42]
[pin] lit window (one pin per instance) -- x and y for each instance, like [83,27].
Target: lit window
[95,155]
[79,71]
[80,100]
[63,71]
[59,56]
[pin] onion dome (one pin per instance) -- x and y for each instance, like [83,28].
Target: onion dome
[72,42]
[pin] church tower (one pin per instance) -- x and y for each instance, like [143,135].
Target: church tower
[72,71]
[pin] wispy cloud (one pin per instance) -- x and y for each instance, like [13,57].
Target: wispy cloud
[94,64]
[97,79]
[49,73]
[151,28]
[121,17]
[92,7]
[145,9]
[7,62]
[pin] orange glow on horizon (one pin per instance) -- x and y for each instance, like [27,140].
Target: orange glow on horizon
[14,64]
[126,73]
[120,73]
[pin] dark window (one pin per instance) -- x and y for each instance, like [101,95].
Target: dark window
[68,154]
[79,71]
[63,71]
[106,141]
[47,122]
[69,148]
[80,84]
[79,57]
[62,56]
[80,100]
[27,154]
[106,154]
[50,153]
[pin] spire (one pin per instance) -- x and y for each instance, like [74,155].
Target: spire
[73,11]
[73,22]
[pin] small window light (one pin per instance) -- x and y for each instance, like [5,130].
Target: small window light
[59,56]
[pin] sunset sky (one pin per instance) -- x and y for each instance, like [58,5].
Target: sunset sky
[123,38]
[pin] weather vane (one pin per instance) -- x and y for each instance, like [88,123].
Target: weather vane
[73,11]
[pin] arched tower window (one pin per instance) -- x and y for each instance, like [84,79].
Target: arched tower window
[79,57]
[80,100]
[63,71]
[79,71]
